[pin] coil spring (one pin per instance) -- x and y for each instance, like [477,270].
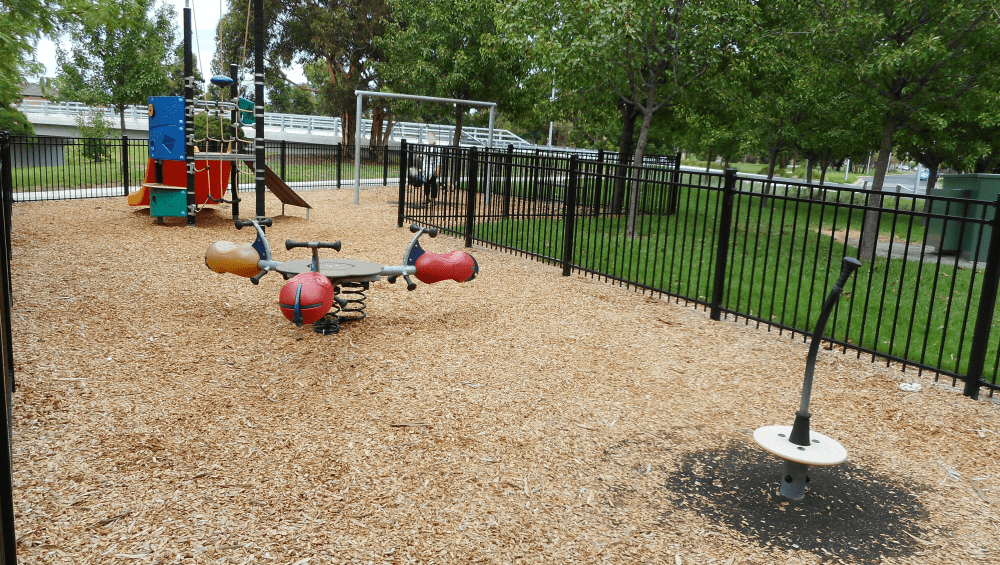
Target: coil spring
[351,299]
[329,324]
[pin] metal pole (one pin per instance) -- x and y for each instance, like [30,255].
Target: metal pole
[492,116]
[357,153]
[800,429]
[400,211]
[258,104]
[189,114]
[235,119]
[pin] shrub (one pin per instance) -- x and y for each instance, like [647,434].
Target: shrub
[12,120]
[95,130]
[208,131]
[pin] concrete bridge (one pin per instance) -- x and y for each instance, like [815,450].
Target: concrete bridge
[59,119]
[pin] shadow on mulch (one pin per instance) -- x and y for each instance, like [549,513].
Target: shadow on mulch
[849,512]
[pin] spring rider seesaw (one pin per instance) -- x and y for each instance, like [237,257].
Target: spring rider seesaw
[327,292]
[799,448]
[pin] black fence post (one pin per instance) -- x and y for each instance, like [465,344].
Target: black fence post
[569,217]
[987,303]
[599,182]
[385,164]
[402,183]
[282,159]
[508,178]
[675,186]
[8,538]
[722,245]
[473,185]
[7,189]
[340,153]
[125,175]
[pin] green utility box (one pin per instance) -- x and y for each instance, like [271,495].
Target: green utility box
[170,202]
[961,236]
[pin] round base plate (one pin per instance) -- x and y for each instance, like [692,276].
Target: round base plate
[337,270]
[823,451]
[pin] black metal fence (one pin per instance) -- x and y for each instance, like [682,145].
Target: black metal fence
[61,168]
[758,252]
[8,551]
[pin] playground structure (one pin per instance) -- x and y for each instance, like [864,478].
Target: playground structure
[178,183]
[328,292]
[794,444]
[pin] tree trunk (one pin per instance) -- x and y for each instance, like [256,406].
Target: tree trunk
[869,232]
[375,135]
[390,123]
[772,160]
[629,114]
[459,117]
[121,116]
[347,127]
[636,176]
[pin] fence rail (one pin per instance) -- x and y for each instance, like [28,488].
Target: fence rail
[740,247]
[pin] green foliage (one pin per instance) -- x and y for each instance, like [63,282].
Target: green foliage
[175,79]
[22,22]
[290,99]
[210,130]
[12,120]
[907,59]
[452,49]
[119,56]
[335,42]
[94,129]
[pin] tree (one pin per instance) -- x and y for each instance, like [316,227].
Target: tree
[648,54]
[451,49]
[175,81]
[287,98]
[338,34]
[119,56]
[22,24]
[904,58]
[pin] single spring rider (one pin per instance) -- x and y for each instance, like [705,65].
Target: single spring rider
[799,447]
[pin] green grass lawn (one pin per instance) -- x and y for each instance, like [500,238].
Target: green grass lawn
[80,171]
[783,261]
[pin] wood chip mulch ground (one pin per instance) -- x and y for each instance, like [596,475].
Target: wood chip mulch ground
[169,414]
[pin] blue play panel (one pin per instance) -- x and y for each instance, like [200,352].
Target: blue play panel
[166,127]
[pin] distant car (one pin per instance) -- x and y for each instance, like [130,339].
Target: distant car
[925,174]
[904,167]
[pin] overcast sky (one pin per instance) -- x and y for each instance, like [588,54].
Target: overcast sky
[205,17]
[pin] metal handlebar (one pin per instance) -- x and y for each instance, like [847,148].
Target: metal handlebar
[289,245]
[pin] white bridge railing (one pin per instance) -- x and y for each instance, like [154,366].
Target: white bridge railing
[314,125]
